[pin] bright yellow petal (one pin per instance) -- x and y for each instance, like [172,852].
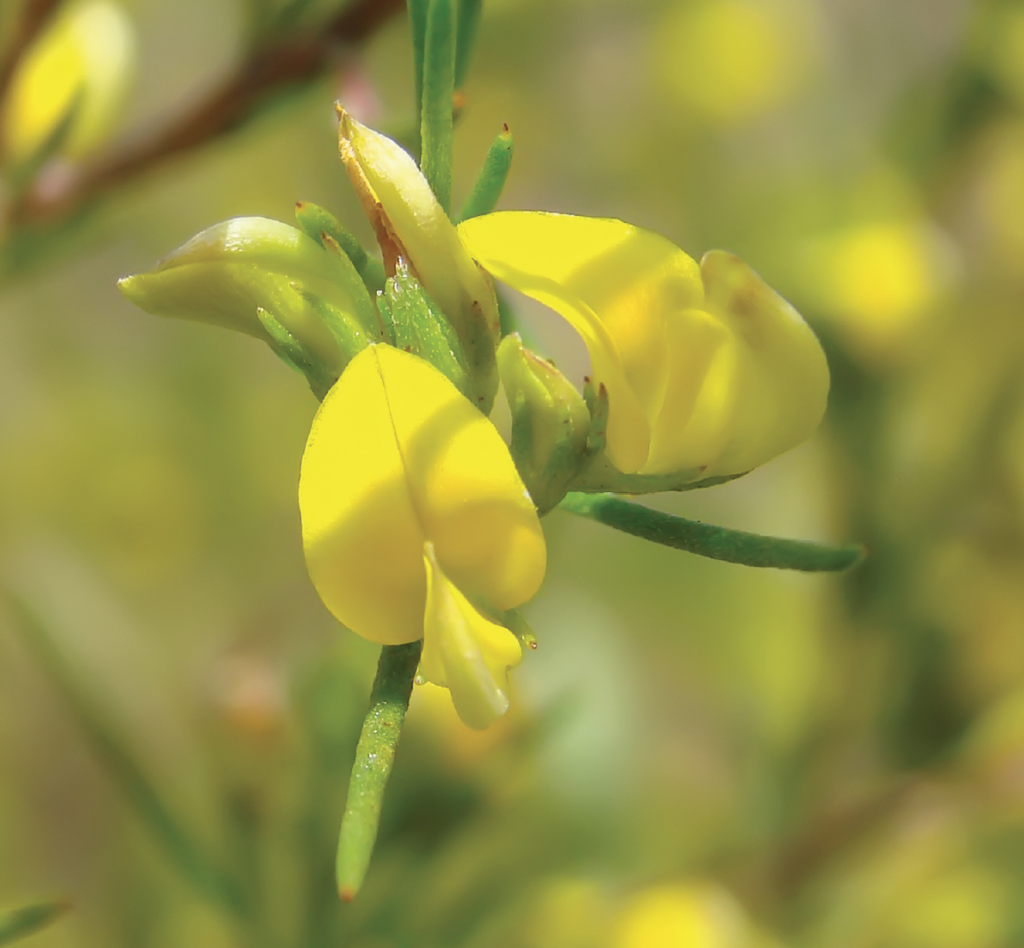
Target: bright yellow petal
[616,284]
[781,378]
[470,499]
[696,415]
[463,651]
[398,456]
[361,534]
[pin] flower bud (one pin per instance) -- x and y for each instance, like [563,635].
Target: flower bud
[69,85]
[229,272]
[550,422]
[410,223]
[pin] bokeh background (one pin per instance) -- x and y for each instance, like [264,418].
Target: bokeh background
[699,754]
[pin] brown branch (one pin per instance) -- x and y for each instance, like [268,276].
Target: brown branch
[34,16]
[271,67]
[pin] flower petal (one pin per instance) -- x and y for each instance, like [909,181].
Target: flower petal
[781,378]
[463,651]
[360,530]
[396,457]
[615,284]
[468,495]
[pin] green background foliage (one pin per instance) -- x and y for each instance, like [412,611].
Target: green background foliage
[835,759]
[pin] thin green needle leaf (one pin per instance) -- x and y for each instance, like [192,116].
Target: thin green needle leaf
[491,180]
[27,919]
[316,221]
[469,20]
[438,90]
[375,754]
[705,539]
[418,25]
[181,849]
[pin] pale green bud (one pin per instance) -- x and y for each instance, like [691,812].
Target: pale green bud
[230,271]
[550,422]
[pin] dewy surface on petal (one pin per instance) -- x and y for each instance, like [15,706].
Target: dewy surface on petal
[463,651]
[398,457]
[616,284]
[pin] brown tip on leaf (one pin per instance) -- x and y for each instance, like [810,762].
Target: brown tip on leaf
[346,893]
[504,127]
[299,205]
[533,645]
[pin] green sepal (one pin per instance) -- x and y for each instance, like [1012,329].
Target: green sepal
[705,539]
[550,423]
[491,180]
[25,920]
[421,328]
[601,476]
[350,336]
[294,354]
[330,233]
[597,404]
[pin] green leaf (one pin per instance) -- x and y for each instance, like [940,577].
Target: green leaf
[375,755]
[27,919]
[438,91]
[418,24]
[491,180]
[469,20]
[705,539]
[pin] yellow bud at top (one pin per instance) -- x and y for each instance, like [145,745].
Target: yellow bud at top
[707,368]
[410,223]
[77,71]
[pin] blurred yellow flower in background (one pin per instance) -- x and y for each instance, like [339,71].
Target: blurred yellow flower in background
[728,60]
[70,85]
[683,915]
[878,281]
[416,524]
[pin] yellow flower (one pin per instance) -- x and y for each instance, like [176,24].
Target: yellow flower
[76,73]
[416,525]
[708,370]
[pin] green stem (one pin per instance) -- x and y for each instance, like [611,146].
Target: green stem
[438,89]
[418,25]
[469,20]
[27,919]
[491,180]
[183,852]
[375,755]
[705,539]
